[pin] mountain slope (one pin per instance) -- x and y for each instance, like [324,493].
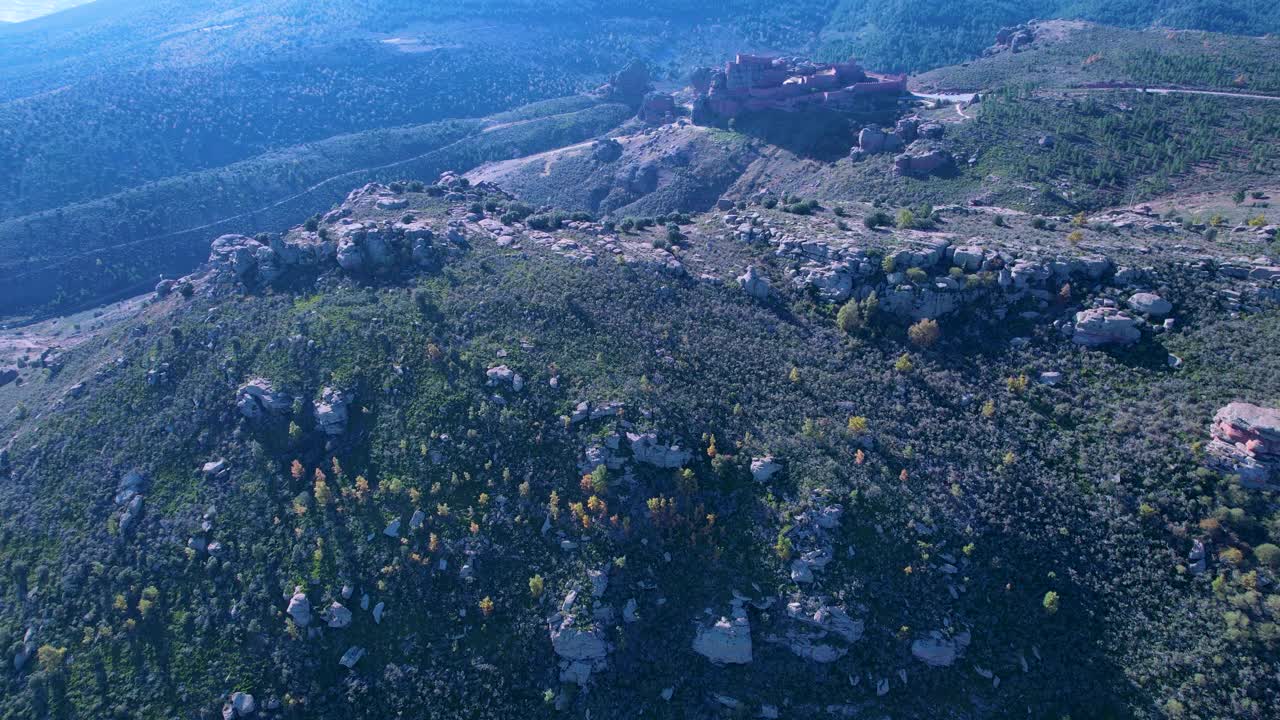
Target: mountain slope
[922,536]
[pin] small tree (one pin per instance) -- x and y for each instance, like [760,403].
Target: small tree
[486,606]
[924,333]
[903,363]
[906,219]
[536,586]
[1267,554]
[50,658]
[600,480]
[783,547]
[1050,602]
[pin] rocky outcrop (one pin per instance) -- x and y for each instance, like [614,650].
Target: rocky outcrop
[728,640]
[628,85]
[922,158]
[649,451]
[505,375]
[939,650]
[258,399]
[129,496]
[1147,303]
[250,260]
[755,284]
[764,468]
[873,140]
[338,616]
[331,412]
[578,642]
[1013,39]
[1246,442]
[383,241]
[1097,327]
[657,107]
[239,705]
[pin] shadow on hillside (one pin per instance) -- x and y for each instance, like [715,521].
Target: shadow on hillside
[824,136]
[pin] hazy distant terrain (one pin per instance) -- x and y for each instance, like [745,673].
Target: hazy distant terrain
[20,10]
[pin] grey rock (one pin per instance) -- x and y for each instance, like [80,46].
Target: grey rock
[1105,326]
[764,468]
[339,616]
[1150,304]
[300,608]
[726,641]
[351,657]
[754,284]
[331,412]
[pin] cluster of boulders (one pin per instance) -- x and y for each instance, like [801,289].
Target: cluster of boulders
[331,411]
[647,450]
[1013,39]
[837,273]
[199,543]
[1245,441]
[819,632]
[130,499]
[578,639]
[259,400]
[371,245]
[910,133]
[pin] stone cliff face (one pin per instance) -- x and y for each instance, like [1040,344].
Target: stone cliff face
[1245,441]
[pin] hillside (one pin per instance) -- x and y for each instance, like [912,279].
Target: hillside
[903,519]
[401,360]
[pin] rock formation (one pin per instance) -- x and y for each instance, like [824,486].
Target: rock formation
[1105,326]
[331,412]
[1246,442]
[755,285]
[258,399]
[728,640]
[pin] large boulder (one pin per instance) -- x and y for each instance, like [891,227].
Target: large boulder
[258,399]
[1246,442]
[351,657]
[728,640]
[649,451]
[1105,326]
[338,616]
[764,468]
[938,650]
[1150,304]
[922,159]
[300,608]
[755,284]
[331,412]
[503,374]
[580,646]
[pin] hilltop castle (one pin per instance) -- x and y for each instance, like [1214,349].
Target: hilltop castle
[753,83]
